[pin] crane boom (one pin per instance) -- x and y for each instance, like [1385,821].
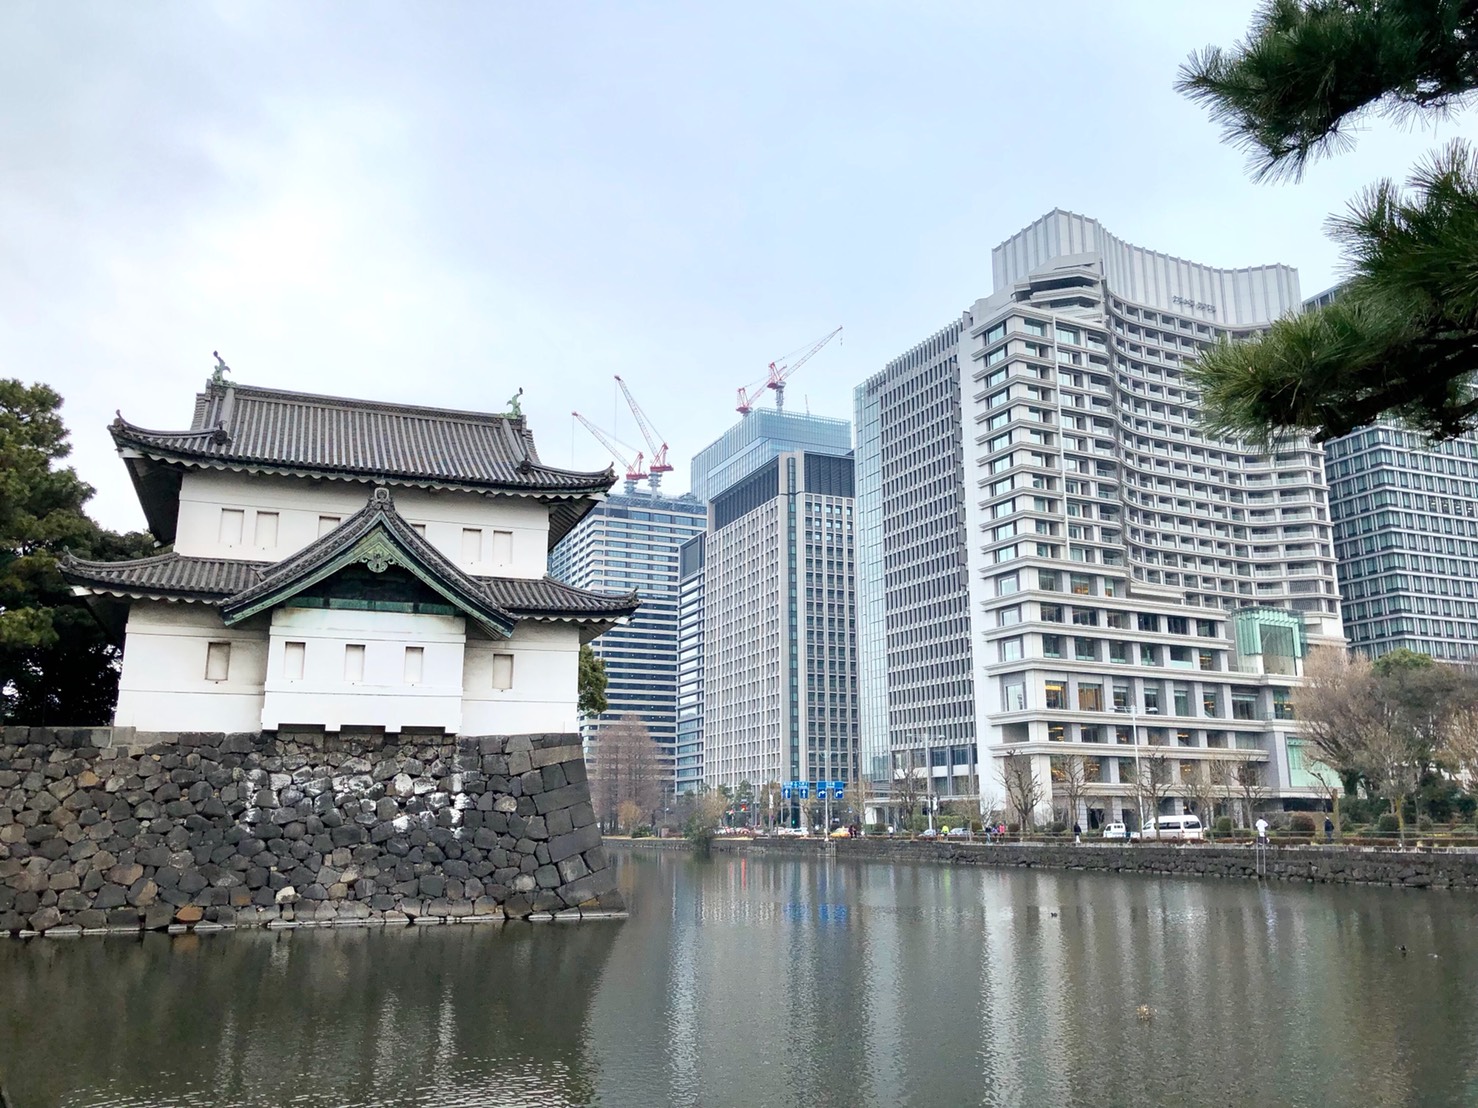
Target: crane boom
[659,464]
[620,452]
[779,374]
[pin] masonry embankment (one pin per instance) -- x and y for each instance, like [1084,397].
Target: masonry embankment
[215,830]
[1437,869]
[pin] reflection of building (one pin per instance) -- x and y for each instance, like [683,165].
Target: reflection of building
[629,544]
[1406,534]
[689,777]
[1140,595]
[779,665]
[342,563]
[917,700]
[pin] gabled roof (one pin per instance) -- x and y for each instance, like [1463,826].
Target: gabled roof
[262,430]
[377,535]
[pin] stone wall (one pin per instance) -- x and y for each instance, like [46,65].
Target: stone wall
[1322,864]
[290,829]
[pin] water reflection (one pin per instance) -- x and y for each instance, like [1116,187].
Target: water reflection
[772,982]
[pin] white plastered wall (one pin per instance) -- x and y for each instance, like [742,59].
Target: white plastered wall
[382,688]
[164,686]
[544,696]
[299,502]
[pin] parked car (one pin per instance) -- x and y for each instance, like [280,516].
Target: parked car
[1172,828]
[1115,831]
[930,833]
[841,833]
[957,833]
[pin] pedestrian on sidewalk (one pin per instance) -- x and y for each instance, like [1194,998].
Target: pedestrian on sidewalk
[1077,834]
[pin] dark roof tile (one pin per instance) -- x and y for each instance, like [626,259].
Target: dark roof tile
[249,427]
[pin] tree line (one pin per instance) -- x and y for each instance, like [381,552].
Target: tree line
[1397,735]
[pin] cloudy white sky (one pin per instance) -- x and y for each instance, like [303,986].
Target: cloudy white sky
[440,203]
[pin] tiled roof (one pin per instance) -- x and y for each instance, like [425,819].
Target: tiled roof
[546,596]
[257,428]
[169,575]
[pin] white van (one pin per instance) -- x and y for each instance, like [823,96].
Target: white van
[1174,827]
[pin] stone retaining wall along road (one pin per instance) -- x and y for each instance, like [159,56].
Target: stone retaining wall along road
[1321,864]
[269,829]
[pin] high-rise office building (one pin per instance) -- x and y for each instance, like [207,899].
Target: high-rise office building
[760,436]
[689,767]
[779,615]
[916,689]
[630,542]
[755,443]
[1140,596]
[1405,515]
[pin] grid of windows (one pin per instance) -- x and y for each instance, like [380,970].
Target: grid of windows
[1112,542]
[630,543]
[1406,535]
[914,643]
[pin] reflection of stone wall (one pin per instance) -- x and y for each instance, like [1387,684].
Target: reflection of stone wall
[1326,865]
[264,828]
[404,1015]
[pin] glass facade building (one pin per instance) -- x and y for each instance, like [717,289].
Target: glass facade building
[631,542]
[1405,515]
[780,657]
[757,438]
[690,563]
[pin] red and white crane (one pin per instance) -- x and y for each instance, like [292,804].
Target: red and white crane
[659,464]
[780,371]
[620,452]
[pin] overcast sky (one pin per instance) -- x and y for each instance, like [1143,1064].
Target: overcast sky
[440,203]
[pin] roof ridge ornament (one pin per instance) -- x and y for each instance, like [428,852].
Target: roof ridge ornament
[218,377]
[380,499]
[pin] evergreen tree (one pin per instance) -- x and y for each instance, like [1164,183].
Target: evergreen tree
[56,664]
[592,682]
[1401,339]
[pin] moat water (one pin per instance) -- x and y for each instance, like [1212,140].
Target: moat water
[769,982]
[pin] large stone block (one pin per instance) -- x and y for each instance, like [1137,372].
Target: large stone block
[566,797]
[576,842]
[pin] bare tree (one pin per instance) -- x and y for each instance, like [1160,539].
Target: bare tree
[1203,789]
[626,774]
[1457,747]
[1023,790]
[1152,782]
[908,786]
[1247,776]
[1393,761]
[1070,779]
[1334,709]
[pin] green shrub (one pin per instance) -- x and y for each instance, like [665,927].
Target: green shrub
[642,832]
[1387,824]
[1424,823]
[1301,824]
[1224,825]
[1057,829]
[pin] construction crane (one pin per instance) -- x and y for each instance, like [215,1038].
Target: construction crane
[620,452]
[780,372]
[659,464]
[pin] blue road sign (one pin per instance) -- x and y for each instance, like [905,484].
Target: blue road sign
[805,790]
[785,792]
[838,786]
